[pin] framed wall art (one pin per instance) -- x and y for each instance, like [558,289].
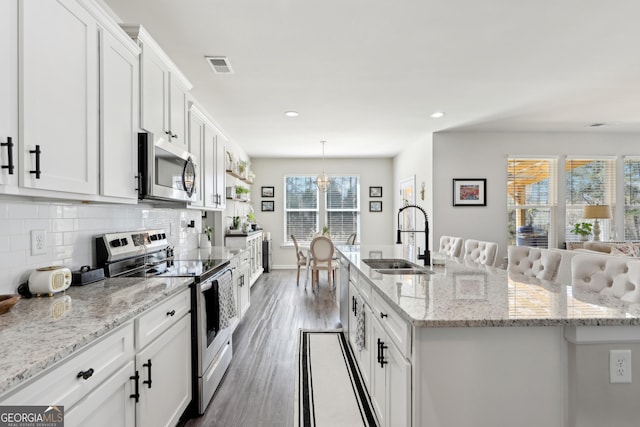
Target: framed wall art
[375,191]
[469,192]
[375,206]
[268,206]
[267,192]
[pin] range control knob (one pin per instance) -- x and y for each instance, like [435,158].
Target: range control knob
[115,243]
[153,237]
[124,241]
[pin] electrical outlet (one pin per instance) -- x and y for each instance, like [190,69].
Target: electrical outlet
[620,366]
[38,242]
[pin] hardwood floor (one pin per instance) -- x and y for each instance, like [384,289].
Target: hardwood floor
[258,389]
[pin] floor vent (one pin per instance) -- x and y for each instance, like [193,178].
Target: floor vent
[219,64]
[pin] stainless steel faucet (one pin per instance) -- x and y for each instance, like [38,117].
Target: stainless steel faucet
[427,255]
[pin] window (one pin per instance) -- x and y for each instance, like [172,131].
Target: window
[631,198]
[302,210]
[301,207]
[588,182]
[343,207]
[531,201]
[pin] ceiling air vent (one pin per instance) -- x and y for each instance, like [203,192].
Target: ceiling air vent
[220,64]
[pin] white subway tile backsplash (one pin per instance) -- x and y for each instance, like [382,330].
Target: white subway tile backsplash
[71,229]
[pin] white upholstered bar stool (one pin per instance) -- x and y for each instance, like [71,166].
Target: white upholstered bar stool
[451,246]
[480,252]
[542,264]
[613,276]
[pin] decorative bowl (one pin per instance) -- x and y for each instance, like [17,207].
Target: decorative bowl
[8,301]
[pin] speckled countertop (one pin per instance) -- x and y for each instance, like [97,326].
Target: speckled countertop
[38,332]
[460,294]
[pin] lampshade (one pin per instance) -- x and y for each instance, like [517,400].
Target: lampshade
[597,212]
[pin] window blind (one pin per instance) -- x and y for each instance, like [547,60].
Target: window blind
[632,198]
[343,210]
[531,201]
[301,208]
[589,181]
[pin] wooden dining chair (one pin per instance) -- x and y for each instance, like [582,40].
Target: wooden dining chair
[301,258]
[351,240]
[322,250]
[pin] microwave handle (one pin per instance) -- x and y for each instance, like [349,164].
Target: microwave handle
[188,165]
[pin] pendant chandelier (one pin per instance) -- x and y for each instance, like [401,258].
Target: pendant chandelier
[322,182]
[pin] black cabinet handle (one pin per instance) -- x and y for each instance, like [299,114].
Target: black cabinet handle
[85,375]
[381,348]
[148,366]
[9,145]
[171,313]
[135,395]
[37,153]
[383,315]
[168,132]
[173,135]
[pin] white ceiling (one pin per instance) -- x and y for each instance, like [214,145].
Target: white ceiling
[366,75]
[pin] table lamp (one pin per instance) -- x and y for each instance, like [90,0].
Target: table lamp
[597,212]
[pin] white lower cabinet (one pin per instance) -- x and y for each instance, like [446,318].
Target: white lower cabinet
[244,291]
[385,369]
[252,242]
[164,367]
[390,380]
[111,382]
[108,405]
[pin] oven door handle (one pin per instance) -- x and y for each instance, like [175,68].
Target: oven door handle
[206,285]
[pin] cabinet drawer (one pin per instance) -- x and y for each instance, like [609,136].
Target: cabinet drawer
[64,385]
[397,328]
[160,318]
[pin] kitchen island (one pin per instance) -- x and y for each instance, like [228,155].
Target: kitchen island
[469,345]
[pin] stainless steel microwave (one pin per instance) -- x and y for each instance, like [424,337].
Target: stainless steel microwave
[165,171]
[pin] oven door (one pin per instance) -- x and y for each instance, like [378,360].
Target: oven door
[210,337]
[166,172]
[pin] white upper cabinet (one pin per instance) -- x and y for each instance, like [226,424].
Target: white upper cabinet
[59,96]
[9,92]
[196,134]
[164,91]
[119,115]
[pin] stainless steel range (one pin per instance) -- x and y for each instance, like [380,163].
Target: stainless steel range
[147,253]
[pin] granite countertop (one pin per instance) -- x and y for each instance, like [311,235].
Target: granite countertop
[461,294]
[207,254]
[39,332]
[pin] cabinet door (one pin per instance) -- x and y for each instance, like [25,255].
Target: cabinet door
[196,134]
[9,91]
[59,95]
[378,374]
[365,353]
[119,116]
[165,377]
[353,320]
[109,405]
[398,392]
[243,290]
[390,381]
[178,96]
[208,154]
[154,114]
[220,173]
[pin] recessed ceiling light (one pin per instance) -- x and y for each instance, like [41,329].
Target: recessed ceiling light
[291,113]
[437,114]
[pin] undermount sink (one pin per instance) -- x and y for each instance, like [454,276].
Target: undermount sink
[395,266]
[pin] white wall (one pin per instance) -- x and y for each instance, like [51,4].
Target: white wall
[376,228]
[71,228]
[484,155]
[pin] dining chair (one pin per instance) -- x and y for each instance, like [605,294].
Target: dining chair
[351,240]
[542,264]
[480,252]
[613,276]
[301,258]
[322,259]
[451,246]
